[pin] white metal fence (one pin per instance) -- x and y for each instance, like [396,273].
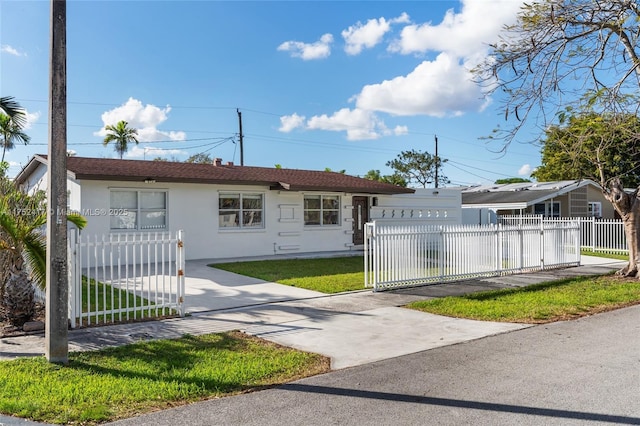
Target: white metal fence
[597,235]
[401,255]
[125,277]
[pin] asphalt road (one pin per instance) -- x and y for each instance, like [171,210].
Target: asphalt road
[582,372]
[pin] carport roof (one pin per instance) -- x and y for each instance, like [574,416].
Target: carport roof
[518,195]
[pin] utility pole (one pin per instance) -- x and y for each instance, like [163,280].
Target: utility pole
[436,159]
[240,137]
[56,323]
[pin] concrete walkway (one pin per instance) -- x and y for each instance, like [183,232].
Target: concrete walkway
[351,328]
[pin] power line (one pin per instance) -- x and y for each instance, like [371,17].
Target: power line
[477,168]
[146,142]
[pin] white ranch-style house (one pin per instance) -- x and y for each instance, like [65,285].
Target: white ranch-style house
[229,211]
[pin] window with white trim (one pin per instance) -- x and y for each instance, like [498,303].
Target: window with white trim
[548,209]
[321,210]
[241,210]
[138,209]
[595,208]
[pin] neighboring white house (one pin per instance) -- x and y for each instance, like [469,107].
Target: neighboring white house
[570,198]
[230,211]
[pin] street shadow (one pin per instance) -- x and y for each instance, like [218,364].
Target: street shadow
[461,403]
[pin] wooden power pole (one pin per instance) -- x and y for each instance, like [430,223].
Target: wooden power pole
[240,137]
[436,160]
[56,323]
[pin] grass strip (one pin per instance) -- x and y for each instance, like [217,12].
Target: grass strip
[326,275]
[121,382]
[102,298]
[617,256]
[540,303]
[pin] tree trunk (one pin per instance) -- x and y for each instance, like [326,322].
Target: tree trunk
[18,300]
[628,208]
[17,293]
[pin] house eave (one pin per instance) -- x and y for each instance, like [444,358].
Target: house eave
[31,167]
[498,206]
[283,186]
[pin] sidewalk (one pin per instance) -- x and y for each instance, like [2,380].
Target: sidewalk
[351,328]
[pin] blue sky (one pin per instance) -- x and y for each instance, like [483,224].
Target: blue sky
[344,85]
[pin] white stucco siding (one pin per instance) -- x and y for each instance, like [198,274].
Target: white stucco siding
[193,208]
[440,206]
[38,182]
[190,208]
[332,237]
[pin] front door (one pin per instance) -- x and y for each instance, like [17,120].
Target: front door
[360,217]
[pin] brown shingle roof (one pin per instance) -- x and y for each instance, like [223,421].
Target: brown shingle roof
[85,168]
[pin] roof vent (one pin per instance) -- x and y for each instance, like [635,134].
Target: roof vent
[229,163]
[217,162]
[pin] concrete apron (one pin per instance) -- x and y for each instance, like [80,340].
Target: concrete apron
[350,328]
[346,328]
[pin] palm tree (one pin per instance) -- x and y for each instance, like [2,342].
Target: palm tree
[13,109]
[22,250]
[10,133]
[121,135]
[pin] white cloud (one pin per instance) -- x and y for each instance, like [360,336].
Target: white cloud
[149,152]
[463,34]
[368,35]
[357,123]
[31,119]
[525,170]
[5,48]
[400,130]
[290,122]
[308,51]
[402,19]
[436,88]
[143,118]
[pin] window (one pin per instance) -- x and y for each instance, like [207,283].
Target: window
[549,209]
[141,210]
[321,210]
[595,209]
[239,210]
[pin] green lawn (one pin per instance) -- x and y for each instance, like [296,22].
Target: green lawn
[541,303]
[327,275]
[100,297]
[121,382]
[605,255]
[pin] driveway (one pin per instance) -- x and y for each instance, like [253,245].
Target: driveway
[581,372]
[211,289]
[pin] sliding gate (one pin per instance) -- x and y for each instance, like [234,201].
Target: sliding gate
[409,254]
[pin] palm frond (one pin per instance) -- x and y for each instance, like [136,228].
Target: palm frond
[13,109]
[35,254]
[8,223]
[77,219]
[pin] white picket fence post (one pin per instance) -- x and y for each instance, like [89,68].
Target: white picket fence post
[181,272]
